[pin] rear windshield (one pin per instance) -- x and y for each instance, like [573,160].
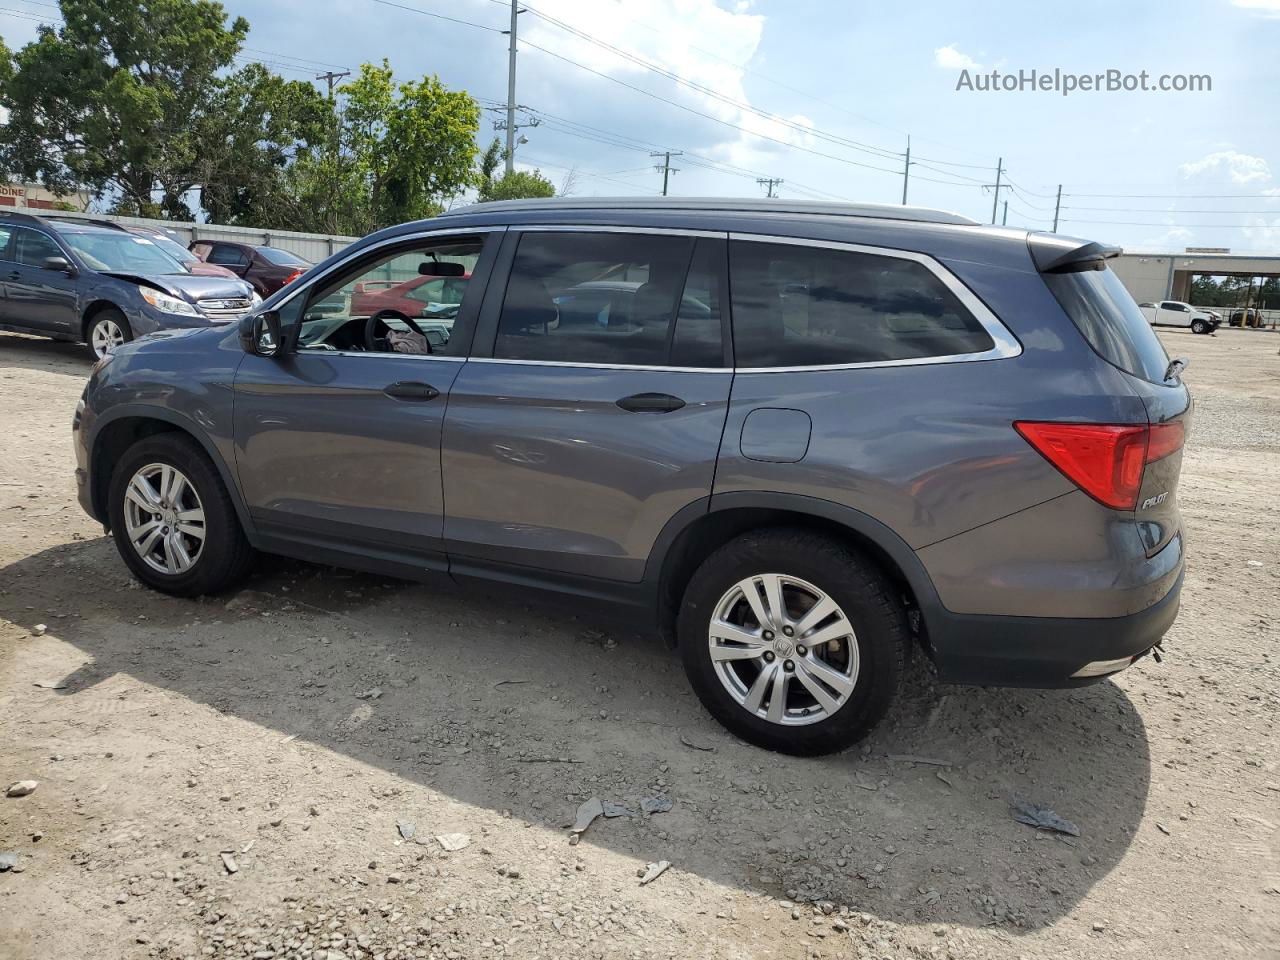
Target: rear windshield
[282,258]
[1101,307]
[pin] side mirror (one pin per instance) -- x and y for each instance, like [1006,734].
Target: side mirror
[61,264]
[260,333]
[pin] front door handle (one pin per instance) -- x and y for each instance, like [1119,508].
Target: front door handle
[411,390]
[650,403]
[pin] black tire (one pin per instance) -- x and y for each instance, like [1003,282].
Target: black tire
[106,315]
[1199,326]
[226,555]
[850,579]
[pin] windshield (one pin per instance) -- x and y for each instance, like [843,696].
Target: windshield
[175,249]
[282,258]
[121,253]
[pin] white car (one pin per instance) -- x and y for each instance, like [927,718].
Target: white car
[1175,313]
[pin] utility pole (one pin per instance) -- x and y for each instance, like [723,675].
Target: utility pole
[906,172]
[666,167]
[1057,205]
[511,89]
[995,199]
[769,183]
[1004,220]
[333,77]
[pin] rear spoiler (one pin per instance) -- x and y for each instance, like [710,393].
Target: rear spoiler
[1053,253]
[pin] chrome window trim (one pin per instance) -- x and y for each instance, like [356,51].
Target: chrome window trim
[1004,343]
[657,368]
[312,352]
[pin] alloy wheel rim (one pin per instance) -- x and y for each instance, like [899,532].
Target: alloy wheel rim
[783,649]
[105,335]
[164,519]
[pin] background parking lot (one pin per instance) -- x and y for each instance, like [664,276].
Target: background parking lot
[238,776]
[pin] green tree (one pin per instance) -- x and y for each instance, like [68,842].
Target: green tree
[516,185]
[116,99]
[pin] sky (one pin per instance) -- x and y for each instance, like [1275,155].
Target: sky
[824,94]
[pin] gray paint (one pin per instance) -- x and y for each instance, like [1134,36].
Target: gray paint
[531,472]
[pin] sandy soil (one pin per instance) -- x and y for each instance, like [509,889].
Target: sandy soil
[293,726]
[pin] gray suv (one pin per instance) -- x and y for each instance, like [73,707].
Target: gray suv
[803,438]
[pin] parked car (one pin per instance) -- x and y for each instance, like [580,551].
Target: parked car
[1248,316]
[170,243]
[266,268]
[1174,313]
[862,456]
[83,281]
[419,296]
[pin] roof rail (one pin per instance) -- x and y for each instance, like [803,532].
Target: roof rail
[716,205]
[95,221]
[21,217]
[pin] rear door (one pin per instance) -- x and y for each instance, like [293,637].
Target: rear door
[230,255]
[582,424]
[38,297]
[338,441]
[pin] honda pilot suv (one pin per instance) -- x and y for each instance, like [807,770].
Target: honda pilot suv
[802,439]
[96,282]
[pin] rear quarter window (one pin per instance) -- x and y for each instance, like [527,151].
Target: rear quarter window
[1107,316]
[798,305]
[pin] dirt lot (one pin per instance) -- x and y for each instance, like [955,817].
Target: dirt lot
[294,726]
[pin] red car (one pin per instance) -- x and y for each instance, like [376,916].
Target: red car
[421,296]
[266,268]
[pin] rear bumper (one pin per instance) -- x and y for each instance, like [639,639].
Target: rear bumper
[1045,651]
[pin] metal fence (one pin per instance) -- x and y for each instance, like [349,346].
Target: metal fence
[310,246]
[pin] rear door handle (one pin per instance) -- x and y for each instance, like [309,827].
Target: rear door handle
[15,275]
[411,390]
[650,403]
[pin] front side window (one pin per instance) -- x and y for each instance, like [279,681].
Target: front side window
[610,298]
[34,248]
[380,306]
[798,305]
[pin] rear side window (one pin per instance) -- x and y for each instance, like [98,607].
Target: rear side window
[1100,306]
[602,298]
[228,256]
[808,306]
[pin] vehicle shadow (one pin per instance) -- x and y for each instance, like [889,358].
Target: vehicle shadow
[21,352]
[463,690]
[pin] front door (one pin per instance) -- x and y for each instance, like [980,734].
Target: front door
[338,440]
[37,296]
[592,408]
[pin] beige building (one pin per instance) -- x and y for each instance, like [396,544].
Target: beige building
[1167,276]
[35,197]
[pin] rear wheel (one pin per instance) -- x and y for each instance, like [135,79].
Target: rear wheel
[173,521]
[792,640]
[107,329]
[1199,326]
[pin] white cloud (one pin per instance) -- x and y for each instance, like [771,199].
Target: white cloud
[949,58]
[1266,8]
[1241,167]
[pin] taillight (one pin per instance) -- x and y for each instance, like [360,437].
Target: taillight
[1105,460]
[292,277]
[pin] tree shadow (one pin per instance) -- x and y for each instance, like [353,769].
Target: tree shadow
[486,694]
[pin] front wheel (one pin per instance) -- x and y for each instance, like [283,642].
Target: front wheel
[792,640]
[107,330]
[1199,326]
[173,521]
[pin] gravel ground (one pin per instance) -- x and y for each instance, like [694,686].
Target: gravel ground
[266,775]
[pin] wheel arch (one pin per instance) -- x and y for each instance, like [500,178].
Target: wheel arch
[702,527]
[125,428]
